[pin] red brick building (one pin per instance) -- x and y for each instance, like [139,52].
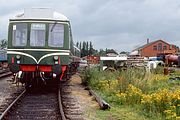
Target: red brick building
[156,48]
[92,59]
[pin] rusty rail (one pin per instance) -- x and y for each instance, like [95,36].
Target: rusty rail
[11,105]
[60,105]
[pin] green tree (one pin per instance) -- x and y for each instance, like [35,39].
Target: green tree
[110,51]
[83,49]
[3,44]
[95,52]
[80,45]
[77,44]
[87,49]
[91,49]
[102,52]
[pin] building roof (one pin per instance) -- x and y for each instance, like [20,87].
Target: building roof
[118,58]
[41,13]
[135,52]
[146,45]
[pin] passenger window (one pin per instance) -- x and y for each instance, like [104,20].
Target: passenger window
[19,34]
[56,35]
[37,36]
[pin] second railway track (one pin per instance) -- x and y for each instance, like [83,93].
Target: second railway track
[5,73]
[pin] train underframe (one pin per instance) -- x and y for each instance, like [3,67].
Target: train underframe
[37,75]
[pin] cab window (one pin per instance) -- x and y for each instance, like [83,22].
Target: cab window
[37,36]
[56,35]
[19,34]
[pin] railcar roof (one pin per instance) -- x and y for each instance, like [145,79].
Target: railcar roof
[41,13]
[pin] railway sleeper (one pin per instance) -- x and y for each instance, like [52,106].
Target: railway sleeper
[74,117]
[71,107]
[73,112]
[32,117]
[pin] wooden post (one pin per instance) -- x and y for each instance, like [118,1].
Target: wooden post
[103,105]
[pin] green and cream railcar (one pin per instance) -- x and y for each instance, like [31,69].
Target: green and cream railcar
[40,44]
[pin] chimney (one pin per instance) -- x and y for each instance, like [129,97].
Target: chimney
[147,40]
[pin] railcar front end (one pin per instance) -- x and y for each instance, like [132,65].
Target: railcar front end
[39,47]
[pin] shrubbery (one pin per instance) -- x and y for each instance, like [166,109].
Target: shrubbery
[152,92]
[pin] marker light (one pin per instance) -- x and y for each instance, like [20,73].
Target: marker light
[55,57]
[18,57]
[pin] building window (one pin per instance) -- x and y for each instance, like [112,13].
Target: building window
[154,47]
[170,47]
[159,46]
[164,47]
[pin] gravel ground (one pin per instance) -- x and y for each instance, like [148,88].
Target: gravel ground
[7,89]
[86,102]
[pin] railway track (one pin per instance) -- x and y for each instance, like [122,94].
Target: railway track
[46,104]
[34,105]
[5,73]
[70,104]
[3,114]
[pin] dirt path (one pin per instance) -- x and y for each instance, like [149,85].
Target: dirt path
[86,102]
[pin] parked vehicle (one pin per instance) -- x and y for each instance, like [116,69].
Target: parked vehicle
[83,64]
[112,63]
[3,58]
[40,46]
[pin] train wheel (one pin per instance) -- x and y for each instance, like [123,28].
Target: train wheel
[26,79]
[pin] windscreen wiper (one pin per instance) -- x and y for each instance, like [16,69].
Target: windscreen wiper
[53,26]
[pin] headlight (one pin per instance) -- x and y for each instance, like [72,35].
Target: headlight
[55,57]
[18,57]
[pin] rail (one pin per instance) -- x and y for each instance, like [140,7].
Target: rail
[2,75]
[11,105]
[61,106]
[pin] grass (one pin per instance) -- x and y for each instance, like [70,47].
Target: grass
[120,113]
[116,113]
[136,93]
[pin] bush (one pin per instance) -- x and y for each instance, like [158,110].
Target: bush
[151,91]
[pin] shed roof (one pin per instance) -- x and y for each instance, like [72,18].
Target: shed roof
[146,45]
[118,58]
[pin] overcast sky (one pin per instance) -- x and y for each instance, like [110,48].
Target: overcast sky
[122,25]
